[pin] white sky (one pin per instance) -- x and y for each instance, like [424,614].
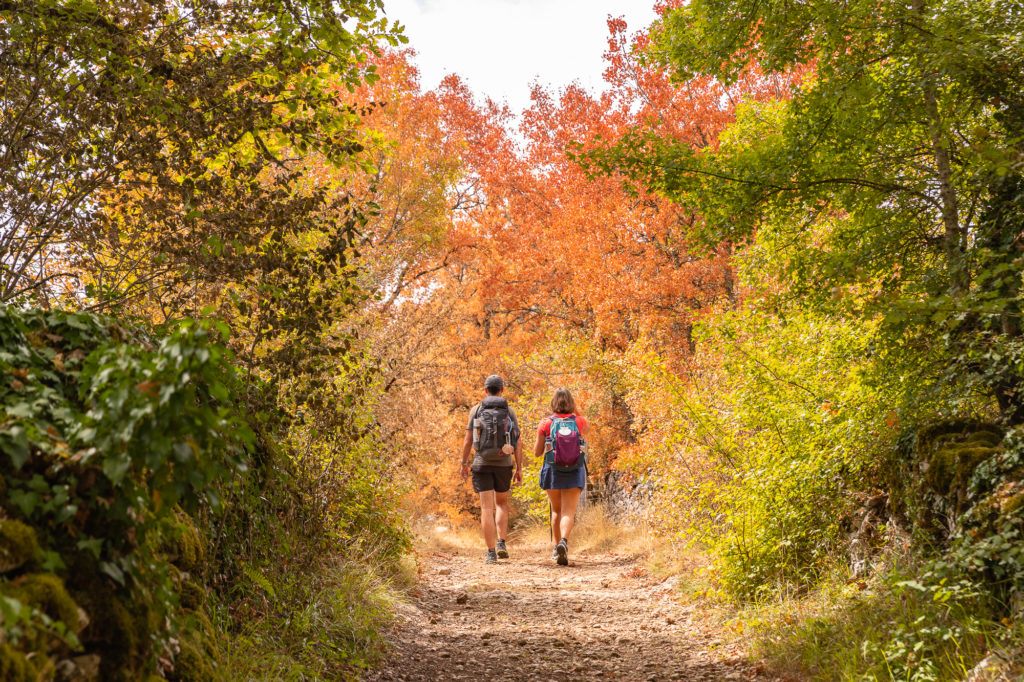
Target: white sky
[499,47]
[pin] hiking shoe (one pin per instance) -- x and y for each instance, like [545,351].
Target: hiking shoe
[491,558]
[554,554]
[502,550]
[562,553]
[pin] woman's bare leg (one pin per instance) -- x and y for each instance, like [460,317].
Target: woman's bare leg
[555,496]
[568,511]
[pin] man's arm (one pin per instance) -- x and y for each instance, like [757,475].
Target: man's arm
[467,446]
[467,449]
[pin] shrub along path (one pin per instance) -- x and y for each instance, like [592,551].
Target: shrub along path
[601,617]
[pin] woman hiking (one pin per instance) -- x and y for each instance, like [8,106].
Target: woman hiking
[560,442]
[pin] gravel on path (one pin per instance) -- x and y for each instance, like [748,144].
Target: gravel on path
[599,618]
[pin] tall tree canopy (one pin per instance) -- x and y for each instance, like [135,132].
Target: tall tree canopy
[888,185]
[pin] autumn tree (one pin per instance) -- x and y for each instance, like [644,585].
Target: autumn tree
[189,112]
[530,265]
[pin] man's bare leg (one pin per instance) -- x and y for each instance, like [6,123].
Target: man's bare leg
[501,513]
[487,517]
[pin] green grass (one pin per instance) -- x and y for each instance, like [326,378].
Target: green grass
[325,623]
[876,631]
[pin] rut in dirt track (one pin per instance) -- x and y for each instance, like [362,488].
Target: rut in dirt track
[525,618]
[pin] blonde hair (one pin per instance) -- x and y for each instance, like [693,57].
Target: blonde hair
[562,402]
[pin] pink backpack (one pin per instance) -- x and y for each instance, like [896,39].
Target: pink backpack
[565,445]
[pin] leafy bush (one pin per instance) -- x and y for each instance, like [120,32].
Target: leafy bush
[106,435]
[755,450]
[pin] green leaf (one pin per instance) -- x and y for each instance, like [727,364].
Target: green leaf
[94,545]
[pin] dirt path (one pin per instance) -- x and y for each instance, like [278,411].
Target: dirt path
[601,617]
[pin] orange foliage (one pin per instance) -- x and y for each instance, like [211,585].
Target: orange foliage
[495,252]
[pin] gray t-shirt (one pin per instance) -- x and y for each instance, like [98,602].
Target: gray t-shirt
[506,460]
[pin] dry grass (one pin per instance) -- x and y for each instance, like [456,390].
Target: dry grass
[595,533]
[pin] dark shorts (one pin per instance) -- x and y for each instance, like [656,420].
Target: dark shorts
[498,479]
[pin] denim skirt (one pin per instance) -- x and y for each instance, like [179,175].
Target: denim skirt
[562,480]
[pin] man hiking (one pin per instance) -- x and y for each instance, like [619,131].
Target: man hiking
[492,434]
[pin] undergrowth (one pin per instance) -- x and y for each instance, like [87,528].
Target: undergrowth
[323,622]
[882,629]
[141,500]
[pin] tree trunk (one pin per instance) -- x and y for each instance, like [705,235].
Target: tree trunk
[953,234]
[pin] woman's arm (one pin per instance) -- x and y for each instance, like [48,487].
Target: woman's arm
[584,427]
[538,449]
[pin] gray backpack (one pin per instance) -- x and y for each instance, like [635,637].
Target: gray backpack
[493,428]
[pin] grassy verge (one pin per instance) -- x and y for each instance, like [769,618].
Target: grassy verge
[324,622]
[887,627]
[881,629]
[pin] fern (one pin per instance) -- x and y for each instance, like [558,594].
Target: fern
[259,580]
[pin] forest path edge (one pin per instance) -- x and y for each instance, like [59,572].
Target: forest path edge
[525,618]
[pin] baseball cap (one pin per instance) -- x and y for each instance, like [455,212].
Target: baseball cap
[494,383]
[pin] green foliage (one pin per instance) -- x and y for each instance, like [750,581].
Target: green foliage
[105,435]
[191,117]
[884,186]
[782,414]
[895,629]
[875,200]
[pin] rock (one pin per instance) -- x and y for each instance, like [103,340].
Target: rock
[445,571]
[461,598]
[193,596]
[947,454]
[18,545]
[1016,605]
[79,669]
[486,635]
[670,620]
[185,545]
[993,668]
[83,619]
[46,592]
